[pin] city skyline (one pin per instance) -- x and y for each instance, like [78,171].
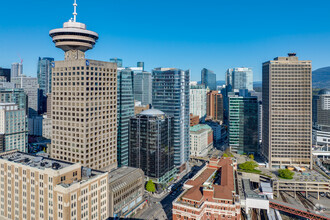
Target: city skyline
[231,36]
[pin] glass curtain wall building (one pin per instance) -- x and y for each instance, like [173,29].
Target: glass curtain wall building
[4,75]
[151,145]
[209,79]
[240,78]
[125,110]
[44,73]
[321,110]
[243,123]
[142,88]
[118,61]
[16,96]
[170,94]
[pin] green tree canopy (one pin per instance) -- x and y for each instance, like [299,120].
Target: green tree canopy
[150,187]
[251,156]
[285,173]
[248,165]
[225,155]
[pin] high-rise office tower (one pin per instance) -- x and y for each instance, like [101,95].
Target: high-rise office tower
[31,88]
[214,106]
[125,106]
[287,112]
[243,123]
[151,145]
[16,69]
[35,125]
[170,94]
[13,128]
[4,75]
[240,78]
[260,121]
[198,100]
[209,79]
[44,73]
[225,92]
[321,122]
[118,61]
[321,110]
[84,101]
[142,88]
[140,64]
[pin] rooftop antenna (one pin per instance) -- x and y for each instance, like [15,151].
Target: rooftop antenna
[74,12]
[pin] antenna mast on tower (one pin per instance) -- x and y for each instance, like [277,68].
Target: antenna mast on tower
[75,11]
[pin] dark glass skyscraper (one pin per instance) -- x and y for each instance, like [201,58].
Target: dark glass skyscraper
[125,110]
[151,146]
[209,79]
[170,94]
[243,123]
[140,64]
[4,75]
[44,73]
[321,110]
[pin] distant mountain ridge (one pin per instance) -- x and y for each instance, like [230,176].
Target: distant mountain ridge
[321,78]
[223,82]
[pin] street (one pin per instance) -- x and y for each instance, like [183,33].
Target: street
[161,208]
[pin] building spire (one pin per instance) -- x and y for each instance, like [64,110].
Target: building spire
[75,11]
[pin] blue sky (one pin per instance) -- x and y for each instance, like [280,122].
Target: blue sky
[214,34]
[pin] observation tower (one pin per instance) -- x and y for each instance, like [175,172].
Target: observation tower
[74,39]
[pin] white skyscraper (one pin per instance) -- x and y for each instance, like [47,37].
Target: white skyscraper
[198,100]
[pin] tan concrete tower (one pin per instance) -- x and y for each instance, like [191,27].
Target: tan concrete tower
[84,101]
[287,112]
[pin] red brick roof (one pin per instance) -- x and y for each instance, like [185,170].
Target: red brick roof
[222,191]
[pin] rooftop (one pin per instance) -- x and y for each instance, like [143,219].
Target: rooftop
[34,161]
[217,178]
[306,176]
[200,127]
[123,176]
[249,193]
[152,112]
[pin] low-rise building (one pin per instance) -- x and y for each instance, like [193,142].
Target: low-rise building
[126,188]
[201,140]
[35,187]
[210,194]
